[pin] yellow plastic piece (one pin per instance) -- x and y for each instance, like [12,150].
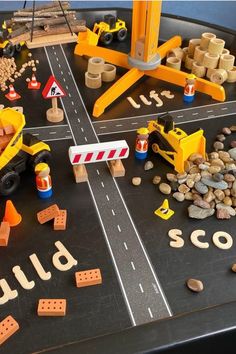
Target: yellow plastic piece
[191,76]
[42,166]
[174,42]
[164,211]
[88,37]
[101,27]
[116,90]
[183,145]
[34,149]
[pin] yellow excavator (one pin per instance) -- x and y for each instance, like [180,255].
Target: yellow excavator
[172,143]
[18,151]
[105,31]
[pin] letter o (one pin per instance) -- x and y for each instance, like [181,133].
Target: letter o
[217,243]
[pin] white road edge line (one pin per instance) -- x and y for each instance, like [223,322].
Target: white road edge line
[141,288]
[126,247]
[150,312]
[132,265]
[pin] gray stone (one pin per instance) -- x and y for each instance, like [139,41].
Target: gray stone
[217,177]
[200,187]
[211,183]
[196,212]
[231,210]
[174,186]
[148,166]
[232,153]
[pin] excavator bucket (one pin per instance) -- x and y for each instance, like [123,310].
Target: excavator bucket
[88,37]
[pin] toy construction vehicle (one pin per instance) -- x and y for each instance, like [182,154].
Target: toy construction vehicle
[105,31]
[173,143]
[7,48]
[17,151]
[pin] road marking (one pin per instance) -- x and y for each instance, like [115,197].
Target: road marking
[155,288]
[102,184]
[62,72]
[57,59]
[75,111]
[82,129]
[78,120]
[141,288]
[35,134]
[119,125]
[134,123]
[211,116]
[126,247]
[69,94]
[59,65]
[150,312]
[67,87]
[181,116]
[68,131]
[52,132]
[113,213]
[132,264]
[98,172]
[224,108]
[72,102]
[47,127]
[85,138]
[118,227]
[195,113]
[107,198]
[56,139]
[210,111]
[64,79]
[103,127]
[53,47]
[55,53]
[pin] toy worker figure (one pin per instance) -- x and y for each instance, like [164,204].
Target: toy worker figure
[43,180]
[141,144]
[189,89]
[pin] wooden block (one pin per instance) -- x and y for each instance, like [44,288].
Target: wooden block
[7,328]
[80,173]
[116,168]
[1,132]
[60,221]
[52,40]
[4,140]
[51,307]
[88,278]
[4,233]
[48,214]
[9,129]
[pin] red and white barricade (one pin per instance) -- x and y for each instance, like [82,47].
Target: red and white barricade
[113,150]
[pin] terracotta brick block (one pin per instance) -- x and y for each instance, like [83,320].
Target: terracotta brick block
[9,129]
[4,140]
[88,278]
[51,307]
[48,214]
[1,132]
[60,220]
[8,327]
[4,233]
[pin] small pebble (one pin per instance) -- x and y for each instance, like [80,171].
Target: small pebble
[136,181]
[189,196]
[203,167]
[208,197]
[164,188]
[148,166]
[220,137]
[232,153]
[233,268]
[211,183]
[179,196]
[226,131]
[229,178]
[195,285]
[214,169]
[201,188]
[195,156]
[218,145]
[29,55]
[213,155]
[171,177]
[219,194]
[227,201]
[198,213]
[217,177]
[174,186]
[231,210]
[183,188]
[233,143]
[156,180]
[233,128]
[190,182]
[222,214]
[201,203]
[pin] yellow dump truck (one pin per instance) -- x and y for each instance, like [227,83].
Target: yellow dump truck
[18,151]
[105,31]
[172,143]
[7,48]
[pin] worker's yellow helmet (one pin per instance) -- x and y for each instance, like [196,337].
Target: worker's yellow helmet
[191,76]
[143,131]
[42,166]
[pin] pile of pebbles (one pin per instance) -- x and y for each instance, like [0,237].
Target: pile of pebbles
[210,183]
[9,72]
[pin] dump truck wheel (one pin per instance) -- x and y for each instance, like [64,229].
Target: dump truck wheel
[106,38]
[42,156]
[122,34]
[9,50]
[9,182]
[18,48]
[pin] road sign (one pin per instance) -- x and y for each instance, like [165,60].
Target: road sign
[53,89]
[90,153]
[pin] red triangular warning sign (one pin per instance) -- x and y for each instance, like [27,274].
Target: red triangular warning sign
[53,89]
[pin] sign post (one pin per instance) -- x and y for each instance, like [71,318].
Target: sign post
[53,90]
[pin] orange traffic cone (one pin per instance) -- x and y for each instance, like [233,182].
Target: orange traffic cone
[34,84]
[11,214]
[12,95]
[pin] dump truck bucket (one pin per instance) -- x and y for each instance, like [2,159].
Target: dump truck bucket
[88,37]
[194,143]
